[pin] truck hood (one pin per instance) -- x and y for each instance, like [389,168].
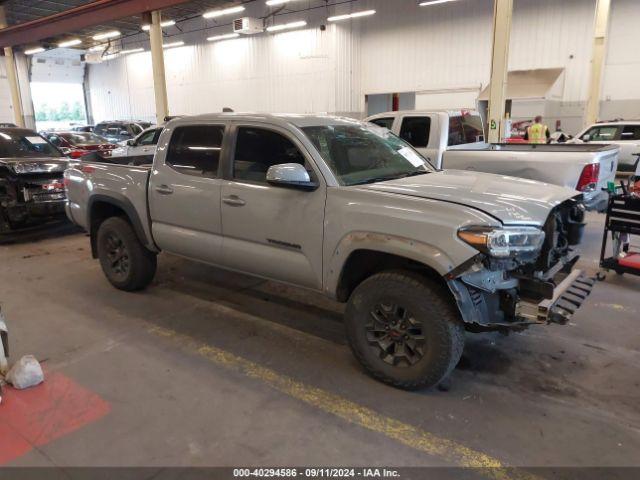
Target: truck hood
[513,201]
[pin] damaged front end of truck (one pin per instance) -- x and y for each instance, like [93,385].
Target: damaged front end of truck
[31,192]
[523,275]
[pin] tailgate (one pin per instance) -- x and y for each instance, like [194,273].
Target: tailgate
[608,160]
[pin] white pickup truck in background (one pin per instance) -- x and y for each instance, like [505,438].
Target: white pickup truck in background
[624,134]
[455,140]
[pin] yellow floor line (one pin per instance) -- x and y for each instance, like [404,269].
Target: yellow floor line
[448,450]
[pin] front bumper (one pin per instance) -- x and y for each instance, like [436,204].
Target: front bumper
[567,298]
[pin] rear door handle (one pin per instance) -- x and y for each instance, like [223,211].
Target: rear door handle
[234,201]
[164,190]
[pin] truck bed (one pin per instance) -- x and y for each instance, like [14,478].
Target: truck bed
[89,181]
[546,148]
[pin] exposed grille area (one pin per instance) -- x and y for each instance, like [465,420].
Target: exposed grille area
[563,230]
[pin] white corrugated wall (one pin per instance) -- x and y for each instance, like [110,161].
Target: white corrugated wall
[440,50]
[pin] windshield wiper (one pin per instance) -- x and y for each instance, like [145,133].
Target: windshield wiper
[392,177]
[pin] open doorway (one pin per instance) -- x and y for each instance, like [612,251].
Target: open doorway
[58,106]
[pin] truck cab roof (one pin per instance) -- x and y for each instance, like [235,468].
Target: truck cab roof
[284,119]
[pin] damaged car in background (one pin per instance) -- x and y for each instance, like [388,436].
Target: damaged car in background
[31,180]
[347,209]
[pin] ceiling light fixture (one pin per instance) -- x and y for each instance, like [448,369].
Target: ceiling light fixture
[433,2]
[227,36]
[132,50]
[173,44]
[106,35]
[287,26]
[34,50]
[70,43]
[224,11]
[97,48]
[166,23]
[110,56]
[337,18]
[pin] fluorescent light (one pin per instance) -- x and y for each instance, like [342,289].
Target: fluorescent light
[105,35]
[433,2]
[97,48]
[337,18]
[286,26]
[133,50]
[70,43]
[174,44]
[228,36]
[166,23]
[224,11]
[110,56]
[34,50]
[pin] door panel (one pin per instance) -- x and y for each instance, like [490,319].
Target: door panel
[277,233]
[184,194]
[268,230]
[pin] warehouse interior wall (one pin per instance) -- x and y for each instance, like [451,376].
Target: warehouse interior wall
[441,53]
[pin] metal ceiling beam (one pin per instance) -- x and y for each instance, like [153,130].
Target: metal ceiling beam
[72,20]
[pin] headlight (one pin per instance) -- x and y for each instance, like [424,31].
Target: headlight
[37,167]
[503,242]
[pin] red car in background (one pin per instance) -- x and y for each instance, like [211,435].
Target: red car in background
[77,144]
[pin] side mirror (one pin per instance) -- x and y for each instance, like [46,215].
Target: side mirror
[586,137]
[290,175]
[131,143]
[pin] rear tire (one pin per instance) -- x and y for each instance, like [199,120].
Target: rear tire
[126,263]
[404,329]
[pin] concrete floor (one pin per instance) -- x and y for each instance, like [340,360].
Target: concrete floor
[210,368]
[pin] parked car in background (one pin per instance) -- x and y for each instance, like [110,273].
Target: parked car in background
[454,140]
[120,131]
[31,179]
[349,210]
[77,144]
[141,146]
[625,134]
[83,128]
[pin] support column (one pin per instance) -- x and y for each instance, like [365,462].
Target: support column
[157,59]
[12,76]
[502,13]
[603,9]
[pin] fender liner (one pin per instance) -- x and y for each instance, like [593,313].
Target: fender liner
[123,203]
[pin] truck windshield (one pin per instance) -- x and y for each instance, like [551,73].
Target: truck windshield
[18,145]
[359,154]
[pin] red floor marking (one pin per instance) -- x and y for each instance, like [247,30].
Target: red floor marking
[39,415]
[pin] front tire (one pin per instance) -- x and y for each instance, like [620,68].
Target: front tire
[126,263]
[404,329]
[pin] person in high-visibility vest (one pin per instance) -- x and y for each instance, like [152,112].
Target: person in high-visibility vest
[538,132]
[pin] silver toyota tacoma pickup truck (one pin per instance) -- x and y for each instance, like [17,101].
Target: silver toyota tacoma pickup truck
[351,210]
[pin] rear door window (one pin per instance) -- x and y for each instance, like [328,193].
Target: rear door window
[386,122]
[257,149]
[195,150]
[416,130]
[603,134]
[630,132]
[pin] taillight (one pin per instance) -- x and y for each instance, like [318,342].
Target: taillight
[589,179]
[77,153]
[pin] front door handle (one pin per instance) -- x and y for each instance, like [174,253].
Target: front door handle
[164,190]
[234,201]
